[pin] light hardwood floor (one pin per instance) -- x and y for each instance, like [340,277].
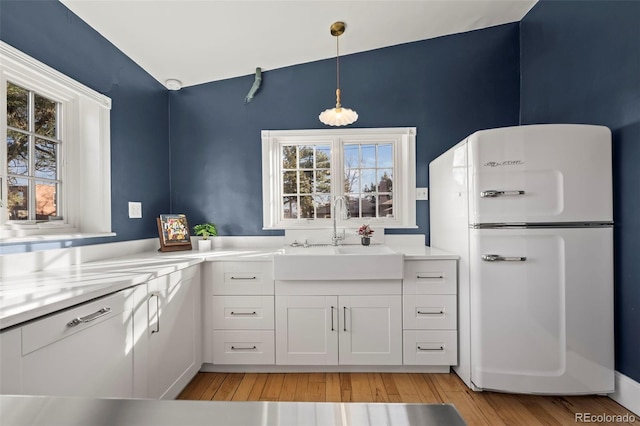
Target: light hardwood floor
[477,408]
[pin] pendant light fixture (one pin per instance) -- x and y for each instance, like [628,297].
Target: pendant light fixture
[338,116]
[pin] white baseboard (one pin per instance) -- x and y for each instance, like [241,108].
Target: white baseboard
[627,393]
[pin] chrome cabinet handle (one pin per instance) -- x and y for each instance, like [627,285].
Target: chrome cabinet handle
[435,277]
[157,296]
[244,313]
[492,193]
[430,313]
[332,308]
[498,258]
[344,317]
[243,278]
[233,348]
[91,317]
[441,348]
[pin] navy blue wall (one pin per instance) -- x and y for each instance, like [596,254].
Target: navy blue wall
[49,32]
[447,87]
[580,63]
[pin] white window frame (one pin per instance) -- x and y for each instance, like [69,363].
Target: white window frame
[85,169]
[404,182]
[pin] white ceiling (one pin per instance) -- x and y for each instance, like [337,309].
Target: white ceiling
[207,40]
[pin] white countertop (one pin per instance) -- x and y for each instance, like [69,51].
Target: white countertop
[26,297]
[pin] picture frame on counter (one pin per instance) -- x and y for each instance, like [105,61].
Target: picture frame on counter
[173,230]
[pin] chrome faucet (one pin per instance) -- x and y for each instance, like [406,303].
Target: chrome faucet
[335,237]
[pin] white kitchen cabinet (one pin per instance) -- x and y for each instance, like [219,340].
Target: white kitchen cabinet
[239,316]
[430,313]
[169,349]
[82,351]
[345,329]
[10,361]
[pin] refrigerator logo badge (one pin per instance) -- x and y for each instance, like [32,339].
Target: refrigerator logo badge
[504,163]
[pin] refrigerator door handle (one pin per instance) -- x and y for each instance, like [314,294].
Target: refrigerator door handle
[498,258]
[491,193]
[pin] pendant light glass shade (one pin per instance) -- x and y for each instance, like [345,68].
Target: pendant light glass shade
[338,116]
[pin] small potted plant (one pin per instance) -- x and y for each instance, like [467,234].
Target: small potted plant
[205,230]
[365,234]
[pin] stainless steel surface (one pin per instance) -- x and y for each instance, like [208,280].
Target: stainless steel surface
[491,193]
[88,318]
[50,411]
[498,258]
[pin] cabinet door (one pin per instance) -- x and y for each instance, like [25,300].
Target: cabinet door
[306,330]
[370,330]
[83,351]
[174,332]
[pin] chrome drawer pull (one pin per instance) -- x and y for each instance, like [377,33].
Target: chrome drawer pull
[91,317]
[233,348]
[441,348]
[244,278]
[498,258]
[492,193]
[243,313]
[420,277]
[430,313]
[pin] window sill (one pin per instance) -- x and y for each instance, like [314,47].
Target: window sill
[51,237]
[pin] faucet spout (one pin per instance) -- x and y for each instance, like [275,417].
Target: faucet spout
[335,237]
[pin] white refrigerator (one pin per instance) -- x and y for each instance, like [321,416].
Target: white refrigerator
[529,211]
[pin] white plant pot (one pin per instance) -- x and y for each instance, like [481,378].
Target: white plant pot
[204,245]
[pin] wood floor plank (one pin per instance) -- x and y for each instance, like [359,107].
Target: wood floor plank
[257,388]
[244,389]
[406,388]
[390,386]
[345,387]
[213,386]
[289,386]
[477,408]
[301,387]
[272,387]
[197,386]
[424,390]
[332,387]
[360,390]
[228,387]
[510,410]
[378,390]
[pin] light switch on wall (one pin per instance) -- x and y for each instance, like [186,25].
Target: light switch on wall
[422,193]
[135,209]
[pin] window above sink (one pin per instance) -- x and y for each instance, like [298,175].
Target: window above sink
[305,170]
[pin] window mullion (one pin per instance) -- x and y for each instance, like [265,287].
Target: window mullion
[31,186]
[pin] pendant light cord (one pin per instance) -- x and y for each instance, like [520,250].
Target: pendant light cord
[338,105]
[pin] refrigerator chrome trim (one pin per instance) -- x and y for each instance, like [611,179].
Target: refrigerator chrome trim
[540,225]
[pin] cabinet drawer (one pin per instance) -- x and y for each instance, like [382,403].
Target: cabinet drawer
[430,277]
[237,278]
[243,312]
[57,327]
[433,312]
[243,347]
[430,347]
